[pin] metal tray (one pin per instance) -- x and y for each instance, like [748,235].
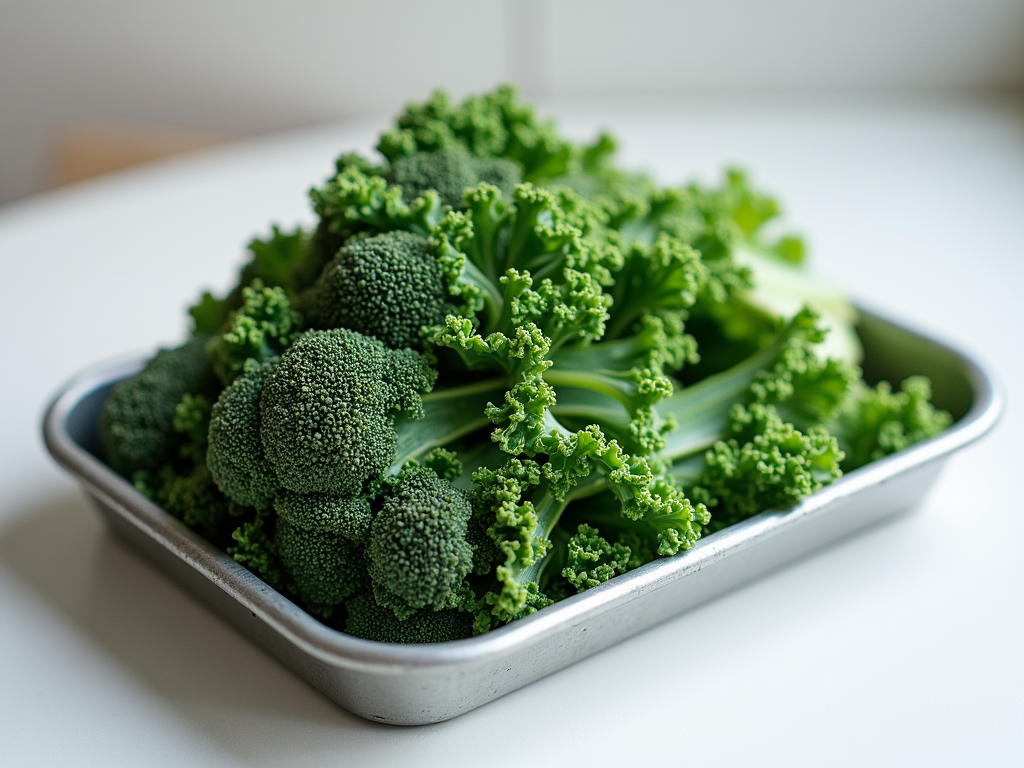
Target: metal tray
[412,685]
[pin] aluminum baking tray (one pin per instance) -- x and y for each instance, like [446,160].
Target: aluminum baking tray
[411,685]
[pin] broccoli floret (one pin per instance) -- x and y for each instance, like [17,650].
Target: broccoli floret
[257,551]
[235,452]
[318,539]
[348,516]
[372,392]
[450,172]
[136,424]
[327,412]
[418,553]
[370,621]
[388,286]
[326,567]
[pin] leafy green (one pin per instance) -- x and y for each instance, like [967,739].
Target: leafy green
[501,369]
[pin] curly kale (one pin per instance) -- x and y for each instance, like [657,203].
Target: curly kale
[620,367]
[765,465]
[261,329]
[491,125]
[877,422]
[591,560]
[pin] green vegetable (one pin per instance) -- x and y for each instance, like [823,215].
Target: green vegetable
[318,540]
[388,286]
[137,422]
[451,171]
[876,422]
[327,410]
[370,621]
[418,553]
[500,370]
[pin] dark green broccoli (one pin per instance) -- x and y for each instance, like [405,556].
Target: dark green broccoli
[256,550]
[370,621]
[332,387]
[388,286]
[348,516]
[450,172]
[136,424]
[318,539]
[235,452]
[327,412]
[417,553]
[192,497]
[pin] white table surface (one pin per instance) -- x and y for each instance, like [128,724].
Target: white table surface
[899,646]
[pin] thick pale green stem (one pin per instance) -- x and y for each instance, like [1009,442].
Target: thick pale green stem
[448,415]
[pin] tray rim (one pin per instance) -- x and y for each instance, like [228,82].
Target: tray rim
[337,649]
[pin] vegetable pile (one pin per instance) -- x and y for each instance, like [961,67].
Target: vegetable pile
[501,370]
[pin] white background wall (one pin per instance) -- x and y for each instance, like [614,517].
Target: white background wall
[241,67]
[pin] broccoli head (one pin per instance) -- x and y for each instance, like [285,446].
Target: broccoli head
[370,621]
[345,516]
[327,568]
[317,539]
[450,172]
[418,553]
[327,412]
[137,421]
[388,286]
[235,452]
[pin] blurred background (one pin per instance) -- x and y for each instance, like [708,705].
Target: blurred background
[88,87]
